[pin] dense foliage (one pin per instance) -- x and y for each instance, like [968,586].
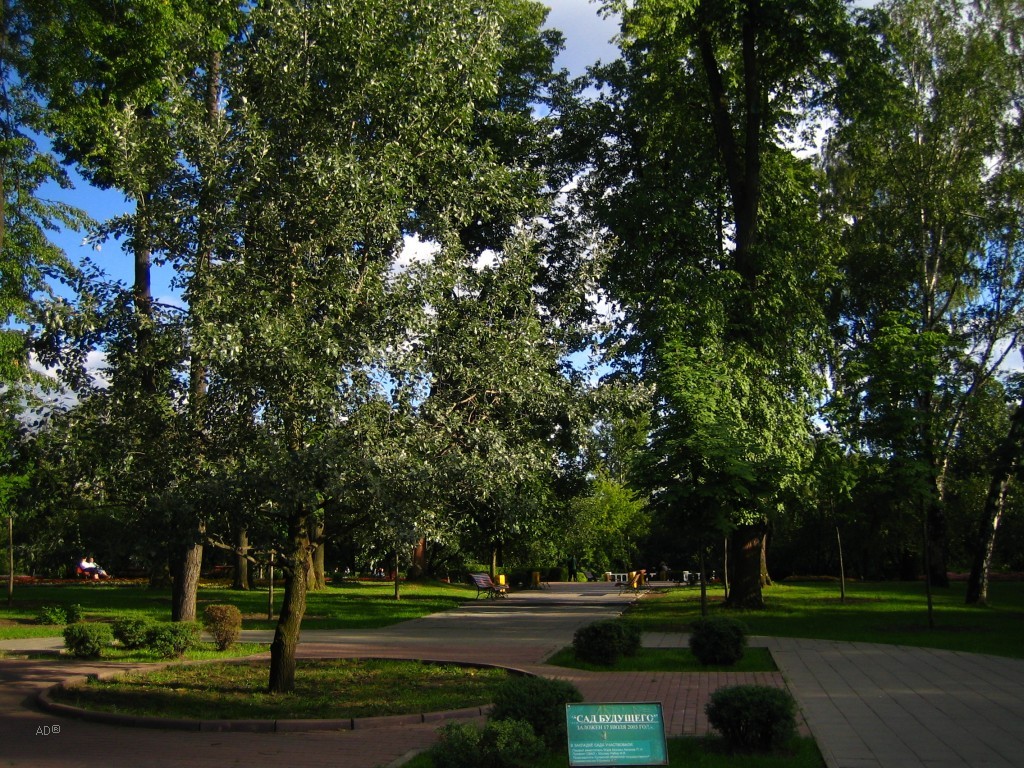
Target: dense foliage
[748,295]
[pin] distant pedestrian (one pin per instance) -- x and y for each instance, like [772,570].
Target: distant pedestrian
[572,568]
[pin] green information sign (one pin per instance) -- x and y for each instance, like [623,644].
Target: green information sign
[616,734]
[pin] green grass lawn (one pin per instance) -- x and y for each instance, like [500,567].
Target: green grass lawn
[348,605]
[667,660]
[890,612]
[327,689]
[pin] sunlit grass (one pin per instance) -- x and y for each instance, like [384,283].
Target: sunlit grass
[347,605]
[327,689]
[889,612]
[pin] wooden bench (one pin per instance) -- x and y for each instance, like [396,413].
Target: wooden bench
[484,586]
[634,583]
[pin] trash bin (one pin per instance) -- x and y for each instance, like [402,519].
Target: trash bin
[535,579]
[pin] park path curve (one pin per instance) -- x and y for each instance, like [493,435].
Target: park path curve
[869,706]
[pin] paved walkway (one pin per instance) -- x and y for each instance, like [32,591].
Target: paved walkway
[868,706]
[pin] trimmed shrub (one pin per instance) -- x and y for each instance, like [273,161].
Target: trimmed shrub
[603,642]
[458,747]
[132,631]
[510,744]
[537,701]
[718,640]
[171,639]
[753,718]
[224,622]
[52,614]
[501,744]
[631,638]
[560,573]
[74,613]
[86,641]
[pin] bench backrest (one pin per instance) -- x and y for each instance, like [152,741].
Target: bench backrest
[481,580]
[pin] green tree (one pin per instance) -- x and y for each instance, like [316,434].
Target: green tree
[349,127]
[30,264]
[924,164]
[500,404]
[719,251]
[115,78]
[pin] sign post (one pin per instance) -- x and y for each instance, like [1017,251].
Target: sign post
[615,734]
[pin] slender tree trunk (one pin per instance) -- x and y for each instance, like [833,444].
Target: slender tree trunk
[938,536]
[842,570]
[10,561]
[766,579]
[725,566]
[745,584]
[703,584]
[927,576]
[1007,460]
[186,573]
[289,621]
[977,584]
[398,594]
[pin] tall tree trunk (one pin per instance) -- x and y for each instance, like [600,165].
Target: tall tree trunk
[240,579]
[977,583]
[1007,460]
[398,581]
[186,573]
[703,583]
[10,561]
[316,578]
[745,584]
[185,580]
[419,559]
[289,621]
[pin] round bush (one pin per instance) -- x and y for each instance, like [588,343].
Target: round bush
[86,641]
[510,744]
[458,747]
[75,613]
[537,701]
[224,622]
[52,614]
[132,631]
[603,642]
[631,637]
[171,640]
[718,640]
[753,718]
